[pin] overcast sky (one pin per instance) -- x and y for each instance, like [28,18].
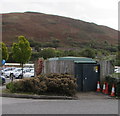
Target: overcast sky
[102,12]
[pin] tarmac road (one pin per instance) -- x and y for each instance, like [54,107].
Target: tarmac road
[37,106]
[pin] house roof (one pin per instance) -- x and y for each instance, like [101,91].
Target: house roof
[75,59]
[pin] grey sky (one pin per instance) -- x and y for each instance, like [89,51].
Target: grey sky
[102,12]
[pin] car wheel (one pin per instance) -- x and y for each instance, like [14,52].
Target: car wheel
[20,77]
[6,76]
[11,76]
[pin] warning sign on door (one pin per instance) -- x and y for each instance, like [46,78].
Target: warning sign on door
[96,69]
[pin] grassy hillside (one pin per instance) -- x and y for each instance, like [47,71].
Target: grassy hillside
[47,28]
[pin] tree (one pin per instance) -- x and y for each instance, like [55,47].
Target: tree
[35,56]
[117,62]
[3,51]
[47,53]
[55,42]
[88,53]
[70,53]
[59,53]
[21,51]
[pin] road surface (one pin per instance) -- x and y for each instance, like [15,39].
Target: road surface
[36,106]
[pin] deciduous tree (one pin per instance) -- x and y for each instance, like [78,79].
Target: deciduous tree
[88,53]
[47,53]
[21,51]
[3,51]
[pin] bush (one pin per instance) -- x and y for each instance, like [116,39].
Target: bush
[60,84]
[88,52]
[114,79]
[13,87]
[47,53]
[118,89]
[33,85]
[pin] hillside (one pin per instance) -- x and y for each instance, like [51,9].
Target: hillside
[43,28]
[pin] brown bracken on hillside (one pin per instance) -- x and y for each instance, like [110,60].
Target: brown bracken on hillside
[42,28]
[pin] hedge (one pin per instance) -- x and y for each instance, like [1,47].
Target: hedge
[60,84]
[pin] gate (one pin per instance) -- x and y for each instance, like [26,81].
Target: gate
[87,76]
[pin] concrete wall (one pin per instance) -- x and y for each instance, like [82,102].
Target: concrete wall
[62,66]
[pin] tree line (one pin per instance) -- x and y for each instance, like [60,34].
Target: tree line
[22,52]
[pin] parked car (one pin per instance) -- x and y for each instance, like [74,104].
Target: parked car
[7,71]
[15,72]
[117,69]
[10,73]
[2,78]
[29,74]
[18,74]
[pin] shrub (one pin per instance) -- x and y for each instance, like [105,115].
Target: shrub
[88,52]
[39,86]
[60,84]
[47,53]
[27,85]
[113,79]
[118,89]
[14,86]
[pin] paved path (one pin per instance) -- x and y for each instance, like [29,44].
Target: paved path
[92,95]
[83,106]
